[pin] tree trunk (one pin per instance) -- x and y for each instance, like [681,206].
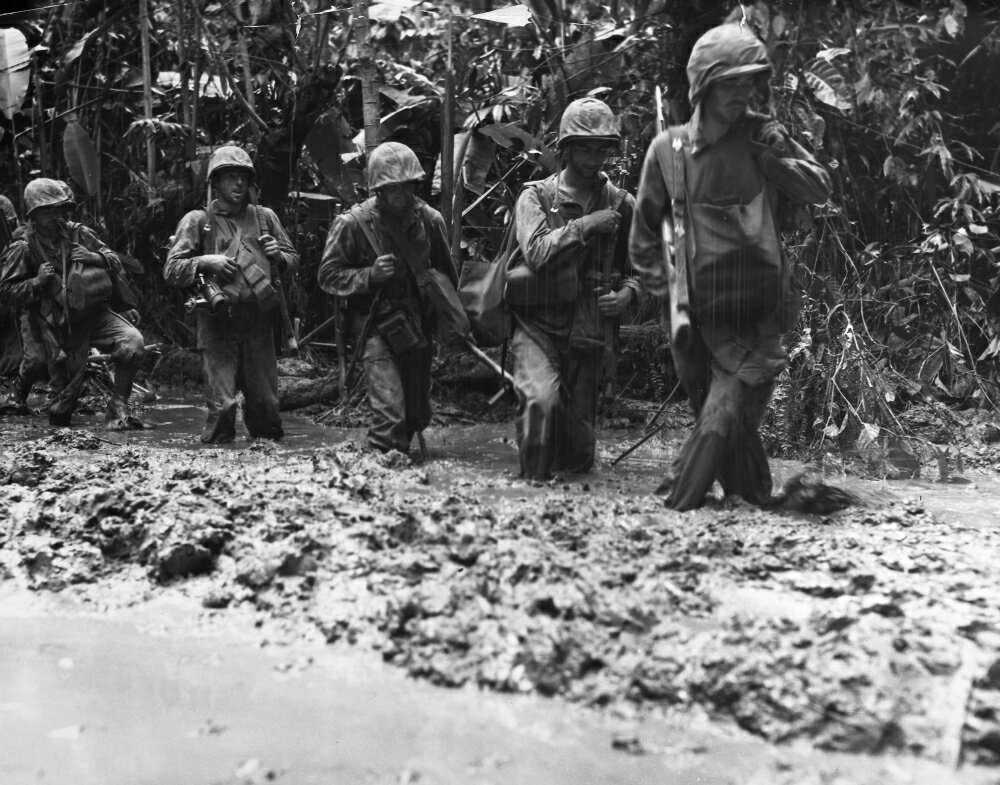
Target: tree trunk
[369,75]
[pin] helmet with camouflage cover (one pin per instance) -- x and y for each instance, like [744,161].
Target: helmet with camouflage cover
[728,50]
[588,118]
[391,163]
[229,157]
[43,192]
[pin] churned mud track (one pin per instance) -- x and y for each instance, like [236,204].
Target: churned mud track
[874,630]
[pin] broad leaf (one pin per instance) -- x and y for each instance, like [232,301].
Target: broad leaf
[81,156]
[14,72]
[513,137]
[326,142]
[827,83]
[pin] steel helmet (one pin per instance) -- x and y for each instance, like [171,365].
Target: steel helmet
[727,50]
[43,192]
[230,156]
[393,162]
[588,118]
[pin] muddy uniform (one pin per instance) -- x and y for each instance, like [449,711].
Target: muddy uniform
[66,336]
[237,342]
[559,347]
[398,382]
[729,356]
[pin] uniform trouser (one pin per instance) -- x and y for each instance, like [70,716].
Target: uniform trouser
[557,405]
[107,331]
[399,392]
[238,355]
[725,443]
[34,366]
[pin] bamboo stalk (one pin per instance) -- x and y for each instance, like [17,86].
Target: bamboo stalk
[366,62]
[448,139]
[147,97]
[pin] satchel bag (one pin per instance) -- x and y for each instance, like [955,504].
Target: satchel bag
[481,292]
[88,289]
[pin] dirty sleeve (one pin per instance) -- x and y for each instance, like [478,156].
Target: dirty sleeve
[345,269]
[181,266]
[17,274]
[652,208]
[796,174]
[544,245]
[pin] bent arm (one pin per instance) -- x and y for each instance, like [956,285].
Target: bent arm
[181,266]
[18,286]
[796,174]
[652,208]
[542,245]
[342,271]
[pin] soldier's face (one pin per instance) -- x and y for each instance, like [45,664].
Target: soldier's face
[587,158]
[727,100]
[398,198]
[233,185]
[48,220]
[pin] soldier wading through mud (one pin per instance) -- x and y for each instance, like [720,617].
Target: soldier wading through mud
[230,253]
[567,294]
[69,285]
[724,281]
[372,257]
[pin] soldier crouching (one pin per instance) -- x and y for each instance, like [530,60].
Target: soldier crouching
[69,284]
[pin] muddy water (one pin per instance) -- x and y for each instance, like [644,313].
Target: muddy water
[162,691]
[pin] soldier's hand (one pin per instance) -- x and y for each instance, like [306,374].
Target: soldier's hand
[601,222]
[269,246]
[83,256]
[131,315]
[613,303]
[384,268]
[46,272]
[773,134]
[222,267]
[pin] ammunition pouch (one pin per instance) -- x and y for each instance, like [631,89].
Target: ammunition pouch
[399,331]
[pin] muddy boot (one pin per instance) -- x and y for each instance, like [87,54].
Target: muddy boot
[17,402]
[119,417]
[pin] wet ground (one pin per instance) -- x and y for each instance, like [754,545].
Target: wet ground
[312,612]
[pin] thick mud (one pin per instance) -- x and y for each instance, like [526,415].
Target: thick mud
[872,631]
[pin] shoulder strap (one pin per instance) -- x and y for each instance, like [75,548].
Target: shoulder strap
[364,218]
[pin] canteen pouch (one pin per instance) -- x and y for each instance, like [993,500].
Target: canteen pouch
[260,286]
[398,331]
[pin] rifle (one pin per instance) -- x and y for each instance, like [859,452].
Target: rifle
[672,233]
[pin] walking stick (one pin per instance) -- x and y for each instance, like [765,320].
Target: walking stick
[651,433]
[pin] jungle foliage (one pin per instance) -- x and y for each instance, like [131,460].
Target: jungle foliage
[898,99]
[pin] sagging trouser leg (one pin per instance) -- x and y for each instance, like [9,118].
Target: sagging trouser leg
[108,332]
[238,356]
[728,387]
[399,393]
[34,365]
[557,405]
